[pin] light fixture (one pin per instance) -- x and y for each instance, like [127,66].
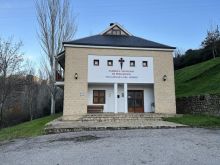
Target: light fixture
[76,76]
[164,77]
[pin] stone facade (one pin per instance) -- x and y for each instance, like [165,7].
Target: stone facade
[207,104]
[75,90]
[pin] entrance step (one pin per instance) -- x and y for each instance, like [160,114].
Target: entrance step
[115,119]
[59,126]
[112,117]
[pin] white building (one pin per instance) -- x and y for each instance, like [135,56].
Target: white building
[117,72]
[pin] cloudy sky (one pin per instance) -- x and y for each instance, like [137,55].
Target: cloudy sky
[181,23]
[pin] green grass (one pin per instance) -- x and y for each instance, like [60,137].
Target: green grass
[27,129]
[199,79]
[196,120]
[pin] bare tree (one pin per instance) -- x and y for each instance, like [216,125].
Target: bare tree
[56,24]
[178,52]
[10,63]
[30,88]
[213,35]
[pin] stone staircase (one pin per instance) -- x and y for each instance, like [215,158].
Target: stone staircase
[111,121]
[112,117]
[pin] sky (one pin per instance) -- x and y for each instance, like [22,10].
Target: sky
[179,23]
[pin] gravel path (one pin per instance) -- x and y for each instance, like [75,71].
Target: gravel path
[183,146]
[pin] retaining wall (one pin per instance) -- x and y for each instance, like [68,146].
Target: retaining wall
[205,104]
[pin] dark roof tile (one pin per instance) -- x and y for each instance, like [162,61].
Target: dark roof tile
[118,41]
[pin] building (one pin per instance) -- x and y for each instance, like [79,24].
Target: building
[117,72]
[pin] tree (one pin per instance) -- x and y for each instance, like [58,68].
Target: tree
[213,36]
[178,52]
[30,90]
[177,58]
[56,24]
[10,64]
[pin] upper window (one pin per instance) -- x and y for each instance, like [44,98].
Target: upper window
[144,63]
[96,62]
[110,62]
[98,96]
[116,32]
[132,63]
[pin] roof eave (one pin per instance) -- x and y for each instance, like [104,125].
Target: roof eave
[59,55]
[118,47]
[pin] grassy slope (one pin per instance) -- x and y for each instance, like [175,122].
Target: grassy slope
[202,78]
[196,120]
[27,129]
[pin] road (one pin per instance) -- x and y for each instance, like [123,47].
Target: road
[182,146]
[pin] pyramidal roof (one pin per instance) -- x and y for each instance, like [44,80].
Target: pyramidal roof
[117,36]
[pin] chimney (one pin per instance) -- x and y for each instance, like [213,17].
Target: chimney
[111,24]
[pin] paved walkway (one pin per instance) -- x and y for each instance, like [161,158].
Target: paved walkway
[183,146]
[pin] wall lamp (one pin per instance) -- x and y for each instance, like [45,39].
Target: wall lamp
[164,77]
[76,76]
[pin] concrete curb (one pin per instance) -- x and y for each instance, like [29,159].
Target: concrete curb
[78,129]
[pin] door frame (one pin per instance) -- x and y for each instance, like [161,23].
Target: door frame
[136,90]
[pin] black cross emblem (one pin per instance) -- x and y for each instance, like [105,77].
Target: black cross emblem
[121,62]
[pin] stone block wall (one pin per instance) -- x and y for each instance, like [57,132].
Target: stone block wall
[204,104]
[75,90]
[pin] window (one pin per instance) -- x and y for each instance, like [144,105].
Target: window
[116,32]
[110,62]
[132,63]
[96,62]
[144,63]
[98,96]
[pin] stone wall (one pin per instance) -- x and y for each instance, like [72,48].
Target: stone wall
[206,104]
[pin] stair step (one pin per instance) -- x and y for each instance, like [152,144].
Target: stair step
[124,116]
[99,117]
[119,118]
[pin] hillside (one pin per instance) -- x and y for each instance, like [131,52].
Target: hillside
[26,129]
[202,78]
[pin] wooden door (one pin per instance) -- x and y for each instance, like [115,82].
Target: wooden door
[136,101]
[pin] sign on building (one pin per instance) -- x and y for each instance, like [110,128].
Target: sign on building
[117,69]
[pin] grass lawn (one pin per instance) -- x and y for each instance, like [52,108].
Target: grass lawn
[198,79]
[27,129]
[196,120]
